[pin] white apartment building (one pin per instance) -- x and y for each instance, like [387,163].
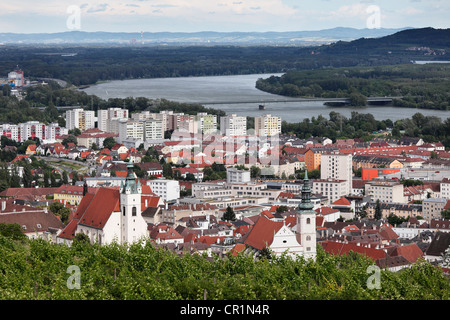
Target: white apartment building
[32,129]
[267,125]
[167,189]
[104,118]
[80,118]
[385,191]
[337,166]
[140,129]
[333,189]
[432,208]
[233,125]
[238,176]
[445,188]
[207,122]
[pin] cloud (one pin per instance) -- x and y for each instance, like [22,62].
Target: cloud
[98,8]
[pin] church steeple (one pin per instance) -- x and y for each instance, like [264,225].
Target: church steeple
[130,185]
[306,203]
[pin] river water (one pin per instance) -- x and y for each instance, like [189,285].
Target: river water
[237,94]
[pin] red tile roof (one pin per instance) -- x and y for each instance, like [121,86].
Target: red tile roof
[99,210]
[338,248]
[262,233]
[341,202]
[411,252]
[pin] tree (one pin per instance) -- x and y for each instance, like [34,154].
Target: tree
[13,231]
[60,210]
[229,215]
[109,142]
[378,213]
[65,178]
[27,178]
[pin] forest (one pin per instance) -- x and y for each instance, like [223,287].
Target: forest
[84,64]
[413,85]
[38,270]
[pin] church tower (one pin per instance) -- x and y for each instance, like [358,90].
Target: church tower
[306,222]
[133,225]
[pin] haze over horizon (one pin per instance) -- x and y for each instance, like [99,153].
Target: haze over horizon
[52,16]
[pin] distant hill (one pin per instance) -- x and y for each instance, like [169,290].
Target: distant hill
[206,37]
[394,43]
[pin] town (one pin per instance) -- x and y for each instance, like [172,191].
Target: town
[203,184]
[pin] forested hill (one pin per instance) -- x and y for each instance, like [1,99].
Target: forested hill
[396,43]
[88,64]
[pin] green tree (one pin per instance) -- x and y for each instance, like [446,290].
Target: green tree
[13,231]
[109,142]
[378,212]
[229,215]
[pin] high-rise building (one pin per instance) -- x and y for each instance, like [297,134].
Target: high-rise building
[233,125]
[207,122]
[104,118]
[267,125]
[80,118]
[337,166]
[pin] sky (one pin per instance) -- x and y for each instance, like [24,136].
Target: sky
[50,16]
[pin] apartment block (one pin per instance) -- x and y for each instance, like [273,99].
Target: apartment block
[104,118]
[167,189]
[80,118]
[238,176]
[267,125]
[207,122]
[337,166]
[432,208]
[333,189]
[445,188]
[233,125]
[385,191]
[32,129]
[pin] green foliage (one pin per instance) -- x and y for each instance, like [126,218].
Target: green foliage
[419,86]
[37,269]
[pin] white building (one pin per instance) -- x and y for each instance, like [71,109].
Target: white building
[32,129]
[17,78]
[80,118]
[167,189]
[432,208]
[267,125]
[237,176]
[337,166]
[105,117]
[385,191]
[333,189]
[148,129]
[233,125]
[445,188]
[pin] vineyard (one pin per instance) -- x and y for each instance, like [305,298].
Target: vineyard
[38,270]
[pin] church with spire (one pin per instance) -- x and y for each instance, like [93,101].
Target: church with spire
[280,238]
[112,214]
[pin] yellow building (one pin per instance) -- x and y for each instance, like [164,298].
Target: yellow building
[69,194]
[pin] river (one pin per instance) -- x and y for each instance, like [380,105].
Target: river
[237,94]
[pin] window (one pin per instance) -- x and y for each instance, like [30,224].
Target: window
[133,212]
[308,221]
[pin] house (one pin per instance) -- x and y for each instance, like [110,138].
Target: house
[35,222]
[31,150]
[163,234]
[437,247]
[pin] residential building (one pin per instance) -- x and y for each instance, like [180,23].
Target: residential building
[432,208]
[445,188]
[237,176]
[207,122]
[267,125]
[80,118]
[385,191]
[337,166]
[167,189]
[333,189]
[104,118]
[32,129]
[233,125]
